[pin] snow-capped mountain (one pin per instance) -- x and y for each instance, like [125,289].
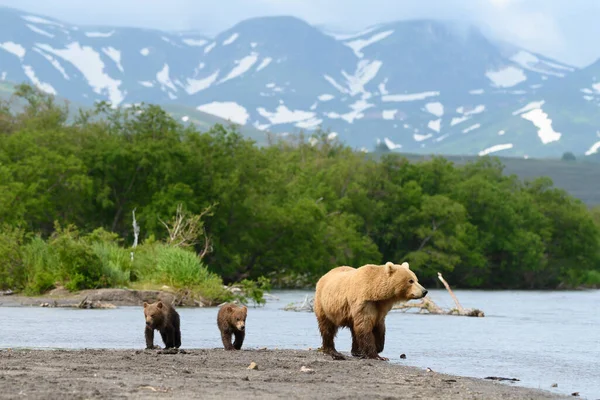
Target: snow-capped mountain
[417,86]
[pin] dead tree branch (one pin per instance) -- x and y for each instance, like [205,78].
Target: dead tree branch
[426,305]
[184,229]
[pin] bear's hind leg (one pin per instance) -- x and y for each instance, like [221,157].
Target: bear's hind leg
[328,331]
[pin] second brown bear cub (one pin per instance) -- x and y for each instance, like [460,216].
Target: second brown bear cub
[231,319]
[162,317]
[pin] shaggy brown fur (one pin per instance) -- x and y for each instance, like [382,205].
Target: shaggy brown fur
[359,299]
[231,319]
[162,317]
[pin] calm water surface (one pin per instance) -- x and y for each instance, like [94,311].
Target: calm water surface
[540,338]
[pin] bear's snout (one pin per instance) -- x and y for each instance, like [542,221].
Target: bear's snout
[425,291]
[240,325]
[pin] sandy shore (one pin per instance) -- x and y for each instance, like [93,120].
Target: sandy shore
[217,374]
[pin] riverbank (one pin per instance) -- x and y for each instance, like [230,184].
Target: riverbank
[98,298]
[217,374]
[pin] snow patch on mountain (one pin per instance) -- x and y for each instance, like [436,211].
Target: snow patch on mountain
[230,39]
[115,55]
[506,77]
[594,148]
[365,72]
[39,20]
[409,97]
[471,128]
[544,124]
[264,63]
[356,112]
[391,145]
[208,48]
[39,31]
[55,63]
[381,87]
[194,42]
[163,77]
[389,114]
[242,66]
[326,97]
[420,138]
[435,125]
[197,85]
[46,87]
[14,48]
[496,148]
[228,110]
[359,44]
[283,115]
[435,108]
[99,34]
[89,63]
[310,123]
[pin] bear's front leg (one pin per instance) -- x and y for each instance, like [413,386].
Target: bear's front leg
[167,338]
[355,350]
[226,338]
[379,333]
[239,339]
[363,329]
[149,334]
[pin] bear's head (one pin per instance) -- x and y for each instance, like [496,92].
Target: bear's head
[404,282]
[154,313]
[237,316]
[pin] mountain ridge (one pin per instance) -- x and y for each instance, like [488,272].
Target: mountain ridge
[420,86]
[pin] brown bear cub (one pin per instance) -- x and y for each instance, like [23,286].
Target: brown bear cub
[231,319]
[162,317]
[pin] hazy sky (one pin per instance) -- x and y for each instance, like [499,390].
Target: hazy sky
[556,28]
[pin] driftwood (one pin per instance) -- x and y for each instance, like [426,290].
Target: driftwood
[306,305]
[426,305]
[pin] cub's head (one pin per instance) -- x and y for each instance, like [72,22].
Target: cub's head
[404,281]
[154,314]
[237,316]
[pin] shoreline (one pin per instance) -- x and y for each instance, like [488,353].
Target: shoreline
[96,298]
[216,373]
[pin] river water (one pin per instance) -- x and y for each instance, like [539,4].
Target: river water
[541,338]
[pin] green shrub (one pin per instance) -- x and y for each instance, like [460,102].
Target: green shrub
[40,265]
[12,271]
[116,264]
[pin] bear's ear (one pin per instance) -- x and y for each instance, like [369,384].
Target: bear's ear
[245,309]
[389,268]
[145,304]
[228,308]
[159,304]
[405,265]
